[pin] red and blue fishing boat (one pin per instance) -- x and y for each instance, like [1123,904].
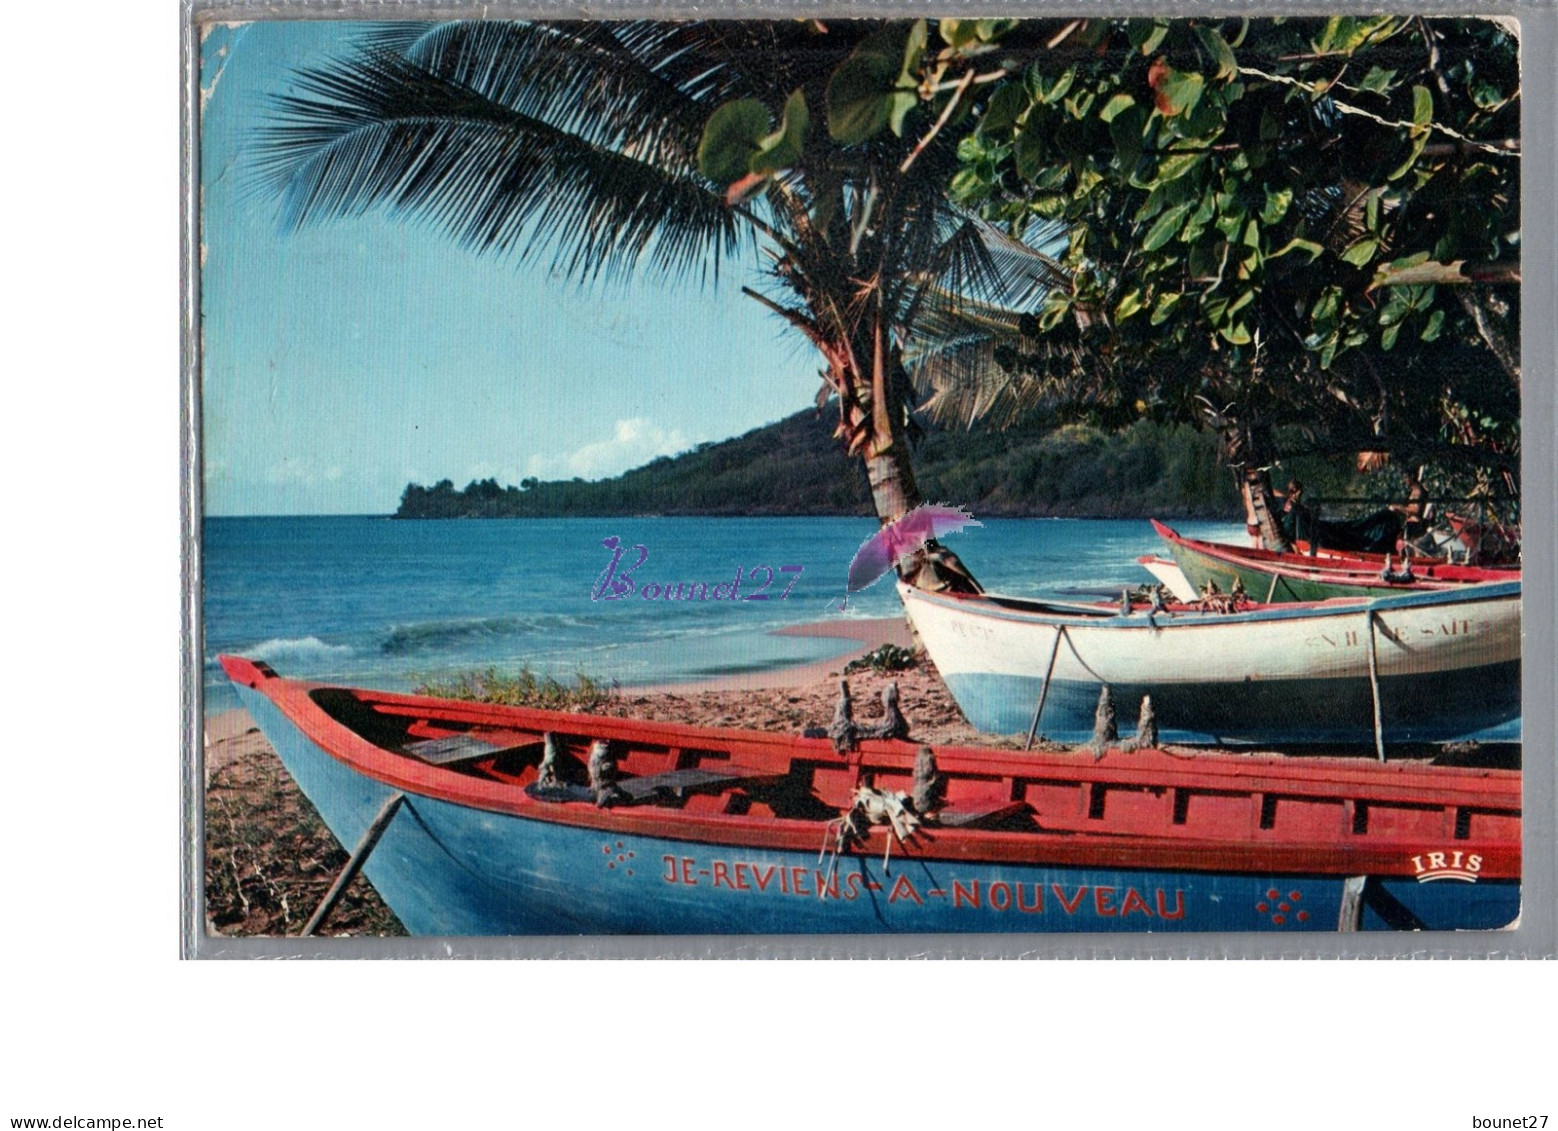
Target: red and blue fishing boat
[493,820]
[1269,576]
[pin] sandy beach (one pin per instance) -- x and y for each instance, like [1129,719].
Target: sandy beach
[269,858]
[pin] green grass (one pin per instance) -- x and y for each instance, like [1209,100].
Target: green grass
[524,689]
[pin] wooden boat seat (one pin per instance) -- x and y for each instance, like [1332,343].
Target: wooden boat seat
[679,781]
[464,748]
[973,814]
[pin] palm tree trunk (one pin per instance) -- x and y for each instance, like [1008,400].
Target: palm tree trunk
[890,470]
[1246,448]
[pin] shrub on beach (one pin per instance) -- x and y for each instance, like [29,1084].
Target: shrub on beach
[524,689]
[887,658]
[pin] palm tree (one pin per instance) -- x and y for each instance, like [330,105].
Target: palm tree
[672,148]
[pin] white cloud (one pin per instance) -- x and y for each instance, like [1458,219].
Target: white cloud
[634,442]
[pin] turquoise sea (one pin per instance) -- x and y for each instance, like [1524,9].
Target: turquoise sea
[376,602]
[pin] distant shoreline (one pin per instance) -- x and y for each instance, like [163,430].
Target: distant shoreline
[795,468]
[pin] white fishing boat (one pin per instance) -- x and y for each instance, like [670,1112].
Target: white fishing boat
[1167,573]
[1408,667]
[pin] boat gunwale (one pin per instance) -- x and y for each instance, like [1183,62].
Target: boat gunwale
[989,605]
[1059,847]
[1365,574]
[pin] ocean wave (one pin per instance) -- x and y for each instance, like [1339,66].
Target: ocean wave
[300,649]
[430,635]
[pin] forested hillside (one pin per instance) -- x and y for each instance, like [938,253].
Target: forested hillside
[796,467]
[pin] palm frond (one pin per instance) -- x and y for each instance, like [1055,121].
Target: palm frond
[964,332]
[382,130]
[972,361]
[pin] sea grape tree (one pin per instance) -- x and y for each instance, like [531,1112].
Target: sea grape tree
[1306,225]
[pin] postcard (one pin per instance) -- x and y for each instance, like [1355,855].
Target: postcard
[961,477]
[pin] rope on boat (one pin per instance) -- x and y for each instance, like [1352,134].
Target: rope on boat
[1049,671]
[872,807]
[1379,726]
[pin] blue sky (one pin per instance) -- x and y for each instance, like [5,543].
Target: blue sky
[344,360]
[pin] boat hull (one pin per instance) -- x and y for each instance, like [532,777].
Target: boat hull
[1448,666]
[451,869]
[1272,577]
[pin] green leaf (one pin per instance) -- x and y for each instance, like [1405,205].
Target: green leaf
[1007,104]
[1360,252]
[1206,120]
[1051,92]
[1176,165]
[991,30]
[899,103]
[1326,306]
[1435,324]
[1378,80]
[1166,304]
[1227,66]
[1166,227]
[967,186]
[1422,106]
[1145,35]
[1115,106]
[1237,333]
[1418,143]
[1176,92]
[1052,313]
[782,148]
[1276,205]
[1204,258]
[1394,310]
[1326,41]
[913,52]
[1387,338]
[1486,95]
[1080,103]
[1126,133]
[858,97]
[730,139]
[958,33]
[1028,154]
[1129,305]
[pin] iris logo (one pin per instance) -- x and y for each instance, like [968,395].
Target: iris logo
[1455,865]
